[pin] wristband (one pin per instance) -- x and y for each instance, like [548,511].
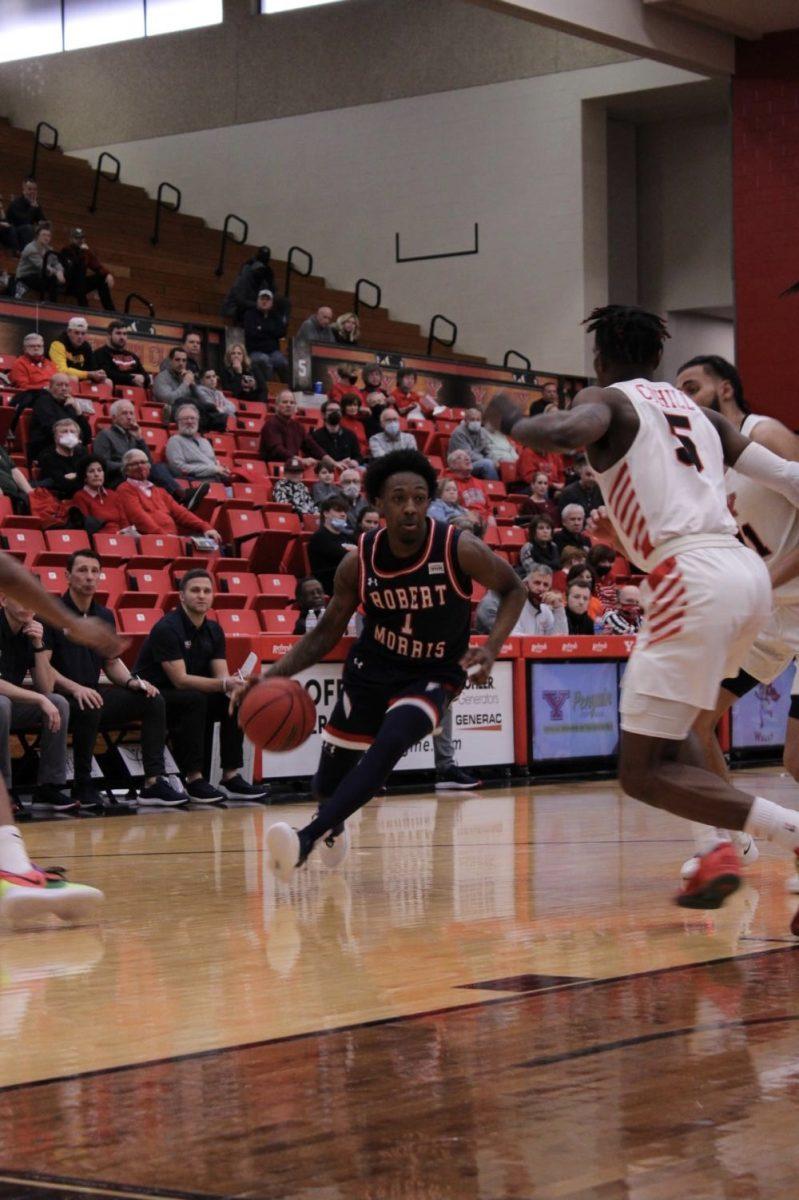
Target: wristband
[39,649]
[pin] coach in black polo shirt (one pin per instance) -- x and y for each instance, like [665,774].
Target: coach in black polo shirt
[185,658]
[92,707]
[21,651]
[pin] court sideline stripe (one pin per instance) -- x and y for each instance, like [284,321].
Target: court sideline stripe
[448,1010]
[64,1183]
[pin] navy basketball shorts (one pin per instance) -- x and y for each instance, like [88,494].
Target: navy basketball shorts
[361,708]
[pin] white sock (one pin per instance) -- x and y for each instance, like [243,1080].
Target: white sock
[773,823]
[13,856]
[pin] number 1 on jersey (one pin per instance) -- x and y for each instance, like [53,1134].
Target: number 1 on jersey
[407,626]
[687,452]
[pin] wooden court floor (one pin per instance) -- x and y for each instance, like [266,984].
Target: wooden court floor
[493,998]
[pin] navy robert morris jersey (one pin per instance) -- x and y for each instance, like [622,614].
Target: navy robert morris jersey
[417,612]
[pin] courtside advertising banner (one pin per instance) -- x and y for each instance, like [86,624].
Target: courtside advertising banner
[482,725]
[575,710]
[759,718]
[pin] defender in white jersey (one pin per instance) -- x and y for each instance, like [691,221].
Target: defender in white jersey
[659,460]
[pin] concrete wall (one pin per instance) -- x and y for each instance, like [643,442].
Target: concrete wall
[525,159]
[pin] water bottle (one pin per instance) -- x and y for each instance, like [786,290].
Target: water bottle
[318,388]
[311,621]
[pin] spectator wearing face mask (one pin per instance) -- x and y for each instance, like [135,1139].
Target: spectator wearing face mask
[331,542]
[390,436]
[333,440]
[578,598]
[349,485]
[59,464]
[601,559]
[290,489]
[52,404]
[544,614]
[626,617]
[473,438]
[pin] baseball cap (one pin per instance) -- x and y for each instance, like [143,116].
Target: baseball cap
[293,464]
[77,323]
[266,292]
[77,233]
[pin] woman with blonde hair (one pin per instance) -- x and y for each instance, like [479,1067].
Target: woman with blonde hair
[237,375]
[347,328]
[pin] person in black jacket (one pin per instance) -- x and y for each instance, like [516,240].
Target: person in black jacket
[540,547]
[264,326]
[578,597]
[52,404]
[331,542]
[121,365]
[339,444]
[59,464]
[24,212]
[253,276]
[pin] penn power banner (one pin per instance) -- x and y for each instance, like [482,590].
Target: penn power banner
[482,725]
[575,710]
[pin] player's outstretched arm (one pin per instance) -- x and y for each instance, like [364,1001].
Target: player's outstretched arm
[475,558]
[755,461]
[584,423]
[331,628]
[26,590]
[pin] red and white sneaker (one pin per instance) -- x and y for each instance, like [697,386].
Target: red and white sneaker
[39,893]
[717,876]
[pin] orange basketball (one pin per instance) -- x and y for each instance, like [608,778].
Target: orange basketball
[277,715]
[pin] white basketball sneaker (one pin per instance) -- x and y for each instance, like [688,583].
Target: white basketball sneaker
[39,894]
[334,847]
[747,849]
[283,846]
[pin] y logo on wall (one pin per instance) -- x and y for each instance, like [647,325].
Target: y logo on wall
[575,709]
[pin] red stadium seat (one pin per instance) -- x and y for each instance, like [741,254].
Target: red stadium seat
[149,579]
[6,509]
[251,469]
[511,537]
[114,547]
[137,395]
[276,591]
[252,493]
[278,622]
[138,620]
[239,622]
[95,391]
[52,579]
[248,443]
[240,583]
[155,438]
[113,583]
[238,524]
[161,546]
[29,542]
[68,540]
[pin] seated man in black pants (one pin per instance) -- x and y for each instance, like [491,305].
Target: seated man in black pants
[77,674]
[184,657]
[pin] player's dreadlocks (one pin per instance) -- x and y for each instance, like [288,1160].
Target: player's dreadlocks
[625,334]
[717,366]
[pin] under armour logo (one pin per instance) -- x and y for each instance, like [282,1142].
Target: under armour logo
[556,702]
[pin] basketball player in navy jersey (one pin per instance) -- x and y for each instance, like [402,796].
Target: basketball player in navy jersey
[413,580]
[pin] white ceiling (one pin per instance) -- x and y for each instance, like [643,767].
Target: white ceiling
[746,18]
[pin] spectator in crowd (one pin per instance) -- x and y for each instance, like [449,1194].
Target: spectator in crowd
[573,519]
[238,377]
[151,509]
[325,485]
[32,370]
[472,494]
[347,329]
[99,508]
[253,277]
[283,436]
[264,326]
[39,268]
[59,464]
[13,483]
[391,436]
[352,418]
[317,327]
[174,383]
[334,441]
[193,345]
[191,456]
[585,491]
[290,489]
[501,448]
[368,520]
[85,273]
[601,559]
[473,438]
[213,405]
[539,547]
[309,598]
[373,380]
[8,232]
[350,486]
[185,658]
[627,615]
[538,503]
[21,647]
[530,462]
[53,404]
[330,543]
[25,212]
[72,352]
[120,364]
[578,597]
[405,397]
[543,615]
[376,405]
[585,574]
[123,434]
[346,382]
[92,706]
[570,556]
[446,506]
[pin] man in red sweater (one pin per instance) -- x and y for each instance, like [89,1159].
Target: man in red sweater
[151,509]
[31,370]
[283,436]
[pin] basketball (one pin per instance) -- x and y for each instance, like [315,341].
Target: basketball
[277,715]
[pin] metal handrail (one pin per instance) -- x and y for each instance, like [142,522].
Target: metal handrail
[528,366]
[99,174]
[143,299]
[38,142]
[160,203]
[226,237]
[433,337]
[359,300]
[290,267]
